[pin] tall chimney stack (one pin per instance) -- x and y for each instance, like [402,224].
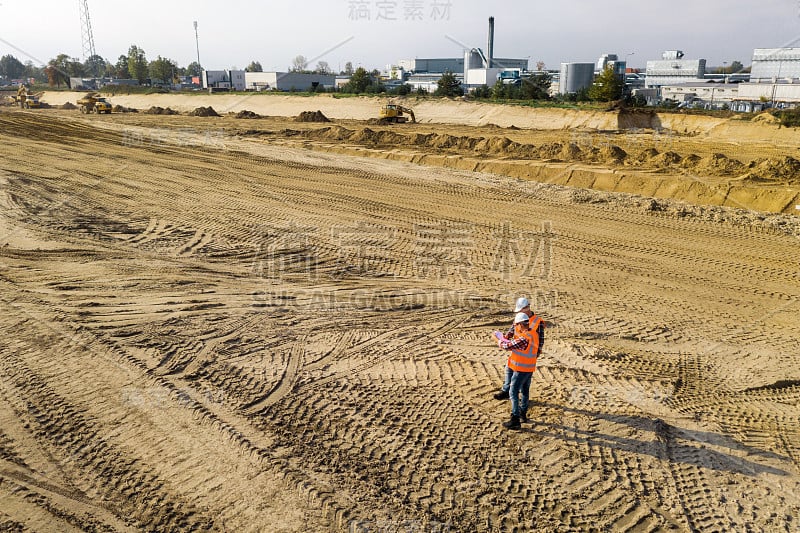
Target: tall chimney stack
[490,47]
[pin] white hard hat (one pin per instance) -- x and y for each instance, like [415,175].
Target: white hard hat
[522,303]
[521,317]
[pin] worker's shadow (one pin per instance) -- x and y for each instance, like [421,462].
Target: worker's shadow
[670,443]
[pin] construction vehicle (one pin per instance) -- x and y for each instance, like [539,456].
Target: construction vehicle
[395,113]
[94,103]
[27,100]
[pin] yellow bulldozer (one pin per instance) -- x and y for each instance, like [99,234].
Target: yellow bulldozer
[94,103]
[395,113]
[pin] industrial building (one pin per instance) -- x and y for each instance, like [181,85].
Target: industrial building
[784,93]
[225,80]
[98,83]
[427,81]
[673,69]
[709,95]
[473,70]
[575,77]
[288,81]
[432,65]
[769,63]
[613,61]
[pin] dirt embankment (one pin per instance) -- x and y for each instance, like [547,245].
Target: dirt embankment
[441,111]
[770,184]
[717,164]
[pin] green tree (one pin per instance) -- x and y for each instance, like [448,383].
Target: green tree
[163,69]
[94,66]
[536,86]
[121,67]
[194,69]
[32,71]
[75,68]
[482,92]
[254,66]
[498,91]
[137,63]
[348,69]
[606,87]
[58,70]
[11,67]
[358,82]
[448,85]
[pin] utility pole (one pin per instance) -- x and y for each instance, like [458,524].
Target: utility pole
[197,42]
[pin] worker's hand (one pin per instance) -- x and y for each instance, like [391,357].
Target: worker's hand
[499,337]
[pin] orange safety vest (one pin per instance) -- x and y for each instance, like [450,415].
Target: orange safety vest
[525,360]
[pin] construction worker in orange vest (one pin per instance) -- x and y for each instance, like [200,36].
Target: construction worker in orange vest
[525,348]
[522,306]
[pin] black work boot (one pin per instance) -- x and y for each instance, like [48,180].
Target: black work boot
[513,423]
[502,395]
[523,416]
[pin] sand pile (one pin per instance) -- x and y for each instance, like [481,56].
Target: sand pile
[366,136]
[247,114]
[156,110]
[379,122]
[550,151]
[691,161]
[785,169]
[571,152]
[420,139]
[665,159]
[766,118]
[646,155]
[332,133]
[122,109]
[720,165]
[204,112]
[494,145]
[69,106]
[613,154]
[312,116]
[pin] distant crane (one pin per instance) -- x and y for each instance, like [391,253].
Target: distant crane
[87,38]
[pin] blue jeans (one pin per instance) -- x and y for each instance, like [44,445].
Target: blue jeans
[520,388]
[507,380]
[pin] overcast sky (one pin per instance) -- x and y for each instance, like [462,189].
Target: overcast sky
[379,32]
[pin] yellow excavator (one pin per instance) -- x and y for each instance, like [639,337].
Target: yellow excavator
[395,113]
[94,103]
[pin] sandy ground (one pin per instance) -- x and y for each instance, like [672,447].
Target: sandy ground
[746,164]
[212,325]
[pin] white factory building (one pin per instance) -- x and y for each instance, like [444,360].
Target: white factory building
[673,69]
[770,63]
[224,80]
[753,97]
[288,81]
[239,80]
[710,95]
